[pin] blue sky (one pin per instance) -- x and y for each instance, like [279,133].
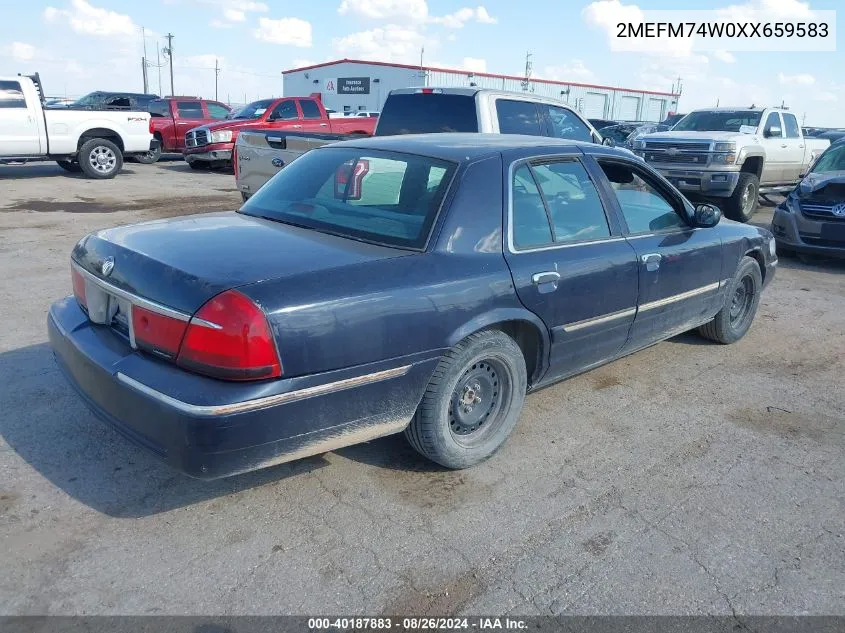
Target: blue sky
[83,45]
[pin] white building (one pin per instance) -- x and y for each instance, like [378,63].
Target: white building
[348,85]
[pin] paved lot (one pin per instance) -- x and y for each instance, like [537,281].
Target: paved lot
[688,478]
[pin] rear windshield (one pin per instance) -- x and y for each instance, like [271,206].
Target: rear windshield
[374,196]
[426,113]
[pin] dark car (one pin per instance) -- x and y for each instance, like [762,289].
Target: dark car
[811,219]
[417,283]
[100,100]
[672,119]
[602,123]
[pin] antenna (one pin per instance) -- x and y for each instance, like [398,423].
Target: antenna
[526,83]
[216,75]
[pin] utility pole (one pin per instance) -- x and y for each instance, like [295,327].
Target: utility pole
[144,72]
[158,65]
[169,52]
[144,60]
[216,75]
[526,83]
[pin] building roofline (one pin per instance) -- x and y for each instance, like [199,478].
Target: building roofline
[476,74]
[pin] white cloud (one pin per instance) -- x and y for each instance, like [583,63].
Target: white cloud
[220,24]
[573,71]
[20,51]
[801,79]
[290,31]
[392,43]
[724,56]
[85,18]
[398,11]
[825,96]
[474,64]
[766,10]
[460,17]
[234,15]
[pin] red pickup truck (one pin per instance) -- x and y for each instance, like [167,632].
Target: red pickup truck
[174,116]
[212,144]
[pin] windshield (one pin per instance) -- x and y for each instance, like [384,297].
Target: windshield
[253,110]
[832,160]
[374,196]
[718,120]
[423,113]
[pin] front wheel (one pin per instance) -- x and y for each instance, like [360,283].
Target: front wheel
[741,301]
[472,401]
[743,201]
[100,159]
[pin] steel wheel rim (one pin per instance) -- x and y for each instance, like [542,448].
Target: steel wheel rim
[742,300]
[478,404]
[102,159]
[747,199]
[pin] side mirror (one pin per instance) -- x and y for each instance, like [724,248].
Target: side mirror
[772,131]
[707,215]
[608,141]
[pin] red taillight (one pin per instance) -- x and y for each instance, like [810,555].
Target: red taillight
[229,338]
[78,286]
[156,332]
[151,127]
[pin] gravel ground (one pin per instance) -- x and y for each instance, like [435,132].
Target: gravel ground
[690,478]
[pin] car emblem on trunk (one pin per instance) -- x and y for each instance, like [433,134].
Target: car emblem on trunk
[839,210]
[107,266]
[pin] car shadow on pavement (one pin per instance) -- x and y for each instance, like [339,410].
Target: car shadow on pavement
[811,263]
[42,170]
[44,421]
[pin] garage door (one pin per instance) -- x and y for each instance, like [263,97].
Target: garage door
[594,105]
[628,108]
[655,110]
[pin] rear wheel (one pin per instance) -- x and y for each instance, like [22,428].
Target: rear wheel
[472,401]
[100,159]
[199,165]
[69,165]
[150,157]
[741,301]
[743,202]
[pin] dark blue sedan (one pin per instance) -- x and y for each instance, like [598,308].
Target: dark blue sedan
[422,284]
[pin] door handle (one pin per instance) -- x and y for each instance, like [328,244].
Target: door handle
[784,145]
[801,146]
[296,126]
[651,261]
[545,278]
[324,125]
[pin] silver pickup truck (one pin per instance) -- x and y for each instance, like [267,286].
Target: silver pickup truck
[729,156]
[260,154]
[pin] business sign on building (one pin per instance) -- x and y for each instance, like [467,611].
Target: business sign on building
[353,85]
[330,85]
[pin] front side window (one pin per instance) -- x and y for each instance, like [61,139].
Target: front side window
[11,95]
[189,109]
[563,123]
[217,110]
[517,117]
[310,110]
[285,111]
[374,196]
[118,102]
[772,121]
[644,206]
[790,124]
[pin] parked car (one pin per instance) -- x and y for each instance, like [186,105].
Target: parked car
[93,142]
[212,144]
[362,113]
[173,117]
[260,154]
[832,135]
[100,100]
[599,124]
[53,102]
[672,119]
[418,283]
[729,156]
[811,220]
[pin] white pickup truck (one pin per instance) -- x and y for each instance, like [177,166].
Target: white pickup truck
[93,142]
[729,156]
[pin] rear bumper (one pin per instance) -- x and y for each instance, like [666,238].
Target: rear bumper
[154,145]
[208,428]
[210,153]
[719,184]
[795,232]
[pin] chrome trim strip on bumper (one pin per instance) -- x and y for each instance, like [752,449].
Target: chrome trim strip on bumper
[267,401]
[132,298]
[679,297]
[612,316]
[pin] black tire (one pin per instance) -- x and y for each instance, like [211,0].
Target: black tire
[741,301]
[743,202]
[472,401]
[199,165]
[150,157]
[69,166]
[93,166]
[244,196]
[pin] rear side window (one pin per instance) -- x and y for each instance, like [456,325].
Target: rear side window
[531,227]
[421,113]
[375,196]
[158,108]
[562,123]
[517,117]
[189,109]
[216,110]
[309,110]
[791,125]
[11,95]
[574,206]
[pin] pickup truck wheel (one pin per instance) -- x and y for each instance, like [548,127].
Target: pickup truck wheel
[472,401]
[100,159]
[69,165]
[148,158]
[199,165]
[741,301]
[743,202]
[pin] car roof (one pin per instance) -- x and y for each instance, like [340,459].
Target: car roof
[468,147]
